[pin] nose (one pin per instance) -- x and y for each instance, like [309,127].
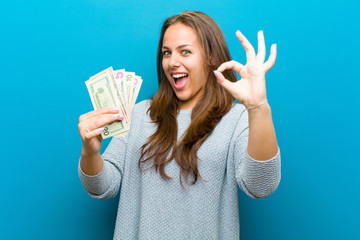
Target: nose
[174,60]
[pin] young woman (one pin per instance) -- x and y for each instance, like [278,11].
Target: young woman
[190,145]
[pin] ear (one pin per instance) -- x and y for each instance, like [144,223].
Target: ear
[211,59]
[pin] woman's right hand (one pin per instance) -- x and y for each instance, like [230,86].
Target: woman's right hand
[91,125]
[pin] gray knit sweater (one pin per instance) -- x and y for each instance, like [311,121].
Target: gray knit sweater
[153,208]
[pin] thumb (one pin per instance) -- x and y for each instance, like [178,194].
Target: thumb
[224,82]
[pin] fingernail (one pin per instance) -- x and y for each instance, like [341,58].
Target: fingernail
[116,110]
[101,129]
[118,116]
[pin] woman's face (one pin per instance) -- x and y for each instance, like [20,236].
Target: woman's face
[184,64]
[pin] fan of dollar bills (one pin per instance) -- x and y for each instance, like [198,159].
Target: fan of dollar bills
[118,89]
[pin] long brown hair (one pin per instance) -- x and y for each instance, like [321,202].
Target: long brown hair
[162,146]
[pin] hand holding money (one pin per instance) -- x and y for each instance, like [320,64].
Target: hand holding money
[114,89]
[91,125]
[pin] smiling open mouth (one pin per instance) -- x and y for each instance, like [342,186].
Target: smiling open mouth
[180,80]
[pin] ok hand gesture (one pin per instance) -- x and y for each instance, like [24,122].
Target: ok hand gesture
[251,89]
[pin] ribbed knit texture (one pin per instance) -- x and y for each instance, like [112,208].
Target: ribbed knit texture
[153,208]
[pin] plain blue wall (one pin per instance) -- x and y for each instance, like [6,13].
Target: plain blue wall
[49,48]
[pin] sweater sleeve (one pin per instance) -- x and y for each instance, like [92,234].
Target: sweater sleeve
[107,183]
[257,179]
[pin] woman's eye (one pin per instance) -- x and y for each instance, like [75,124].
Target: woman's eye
[166,53]
[185,51]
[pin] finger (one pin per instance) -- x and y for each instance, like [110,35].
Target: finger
[250,52]
[100,121]
[261,47]
[271,61]
[230,65]
[98,112]
[223,81]
[94,133]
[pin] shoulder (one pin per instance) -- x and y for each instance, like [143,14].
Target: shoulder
[235,121]
[139,117]
[141,108]
[145,104]
[237,112]
[238,107]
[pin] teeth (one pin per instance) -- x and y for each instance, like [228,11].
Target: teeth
[179,75]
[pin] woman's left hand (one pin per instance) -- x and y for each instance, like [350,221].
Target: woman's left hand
[251,89]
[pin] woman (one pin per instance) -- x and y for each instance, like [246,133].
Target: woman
[190,145]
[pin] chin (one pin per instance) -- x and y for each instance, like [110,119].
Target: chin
[182,97]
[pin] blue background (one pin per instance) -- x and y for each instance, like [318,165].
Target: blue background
[49,48]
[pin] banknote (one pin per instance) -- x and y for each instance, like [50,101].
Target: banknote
[135,91]
[111,88]
[119,78]
[130,89]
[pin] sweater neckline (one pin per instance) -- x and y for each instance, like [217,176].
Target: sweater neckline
[185,112]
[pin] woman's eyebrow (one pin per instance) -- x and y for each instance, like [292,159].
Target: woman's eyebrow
[181,46]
